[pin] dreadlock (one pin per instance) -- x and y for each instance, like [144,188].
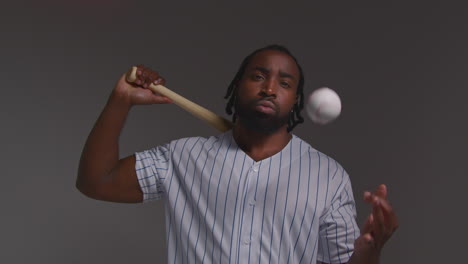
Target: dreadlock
[295,117]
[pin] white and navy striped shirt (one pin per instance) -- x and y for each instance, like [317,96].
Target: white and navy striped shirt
[223,207]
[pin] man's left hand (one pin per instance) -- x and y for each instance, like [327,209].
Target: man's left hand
[379,226]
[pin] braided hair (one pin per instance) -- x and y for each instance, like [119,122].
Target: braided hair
[295,117]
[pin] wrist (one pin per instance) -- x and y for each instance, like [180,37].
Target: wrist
[119,100]
[370,256]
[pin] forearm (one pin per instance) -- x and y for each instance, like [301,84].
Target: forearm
[101,151]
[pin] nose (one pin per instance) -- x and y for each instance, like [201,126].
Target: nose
[269,88]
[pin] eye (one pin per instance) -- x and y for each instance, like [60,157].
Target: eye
[285,84]
[257,77]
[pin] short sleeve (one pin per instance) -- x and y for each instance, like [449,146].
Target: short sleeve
[151,168]
[338,228]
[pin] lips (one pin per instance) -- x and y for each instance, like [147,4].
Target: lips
[266,103]
[266,106]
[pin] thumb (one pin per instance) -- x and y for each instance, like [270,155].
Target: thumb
[159,99]
[364,243]
[368,225]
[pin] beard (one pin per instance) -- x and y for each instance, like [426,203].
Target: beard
[253,119]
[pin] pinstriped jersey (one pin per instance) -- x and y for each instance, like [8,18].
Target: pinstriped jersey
[296,206]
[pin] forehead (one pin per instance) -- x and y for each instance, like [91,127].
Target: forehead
[275,61]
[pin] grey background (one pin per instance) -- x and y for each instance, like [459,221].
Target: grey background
[399,69]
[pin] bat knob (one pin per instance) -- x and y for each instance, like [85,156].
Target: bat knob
[131,76]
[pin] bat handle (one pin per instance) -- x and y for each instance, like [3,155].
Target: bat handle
[204,114]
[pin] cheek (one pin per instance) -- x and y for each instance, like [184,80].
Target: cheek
[246,89]
[290,97]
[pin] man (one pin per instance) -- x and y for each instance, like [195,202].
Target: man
[255,194]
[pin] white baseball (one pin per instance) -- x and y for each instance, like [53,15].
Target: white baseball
[323,105]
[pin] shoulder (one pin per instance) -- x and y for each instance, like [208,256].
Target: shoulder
[308,152]
[183,144]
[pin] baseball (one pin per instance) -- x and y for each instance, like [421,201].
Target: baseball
[323,106]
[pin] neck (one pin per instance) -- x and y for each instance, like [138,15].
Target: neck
[260,145]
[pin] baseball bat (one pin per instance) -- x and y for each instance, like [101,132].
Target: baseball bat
[204,114]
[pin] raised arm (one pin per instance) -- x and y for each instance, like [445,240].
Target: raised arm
[101,174]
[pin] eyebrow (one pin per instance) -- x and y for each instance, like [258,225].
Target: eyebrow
[281,73]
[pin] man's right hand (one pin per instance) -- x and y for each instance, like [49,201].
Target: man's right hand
[138,93]
[101,174]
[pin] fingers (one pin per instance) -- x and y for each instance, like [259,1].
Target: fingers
[146,76]
[382,208]
[368,197]
[379,223]
[382,222]
[137,93]
[381,191]
[379,198]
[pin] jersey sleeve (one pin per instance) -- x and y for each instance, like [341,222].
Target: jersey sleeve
[151,167]
[338,228]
